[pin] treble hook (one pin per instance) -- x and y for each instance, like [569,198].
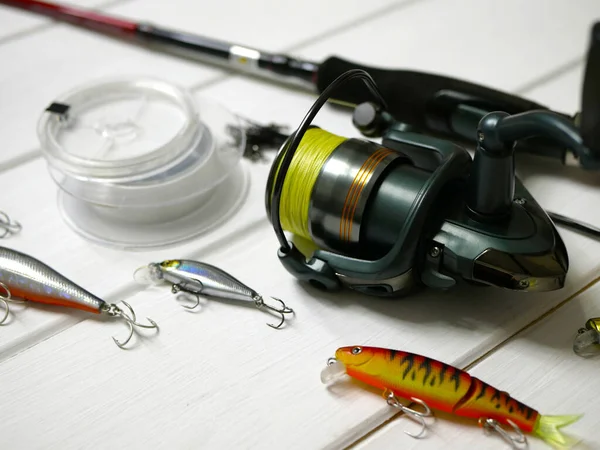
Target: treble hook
[10,226]
[114,311]
[393,401]
[493,425]
[4,299]
[260,303]
[176,288]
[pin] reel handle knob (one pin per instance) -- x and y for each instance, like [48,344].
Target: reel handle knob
[370,119]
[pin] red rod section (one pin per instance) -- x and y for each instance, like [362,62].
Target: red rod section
[84,18]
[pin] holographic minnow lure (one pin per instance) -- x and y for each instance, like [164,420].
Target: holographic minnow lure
[24,277]
[198,278]
[587,341]
[440,386]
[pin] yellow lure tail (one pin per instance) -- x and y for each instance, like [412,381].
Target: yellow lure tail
[547,428]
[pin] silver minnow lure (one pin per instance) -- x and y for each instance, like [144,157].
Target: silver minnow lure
[199,278]
[26,278]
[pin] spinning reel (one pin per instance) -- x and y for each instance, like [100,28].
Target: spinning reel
[415,210]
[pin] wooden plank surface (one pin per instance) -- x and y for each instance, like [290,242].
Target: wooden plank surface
[506,45]
[204,371]
[16,23]
[62,57]
[223,365]
[69,57]
[457,327]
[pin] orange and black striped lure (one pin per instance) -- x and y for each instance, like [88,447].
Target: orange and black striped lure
[446,388]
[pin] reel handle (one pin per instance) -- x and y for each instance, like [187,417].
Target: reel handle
[492,179]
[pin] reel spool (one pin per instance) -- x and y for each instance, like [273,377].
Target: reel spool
[414,210]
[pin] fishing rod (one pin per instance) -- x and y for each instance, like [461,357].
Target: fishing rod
[424,102]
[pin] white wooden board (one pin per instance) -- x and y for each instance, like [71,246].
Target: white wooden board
[38,68]
[457,327]
[505,45]
[15,23]
[205,371]
[220,378]
[564,91]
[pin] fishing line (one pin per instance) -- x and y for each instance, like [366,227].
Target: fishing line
[575,224]
[315,148]
[142,163]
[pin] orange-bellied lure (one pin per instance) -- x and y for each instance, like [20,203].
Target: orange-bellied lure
[27,278]
[439,386]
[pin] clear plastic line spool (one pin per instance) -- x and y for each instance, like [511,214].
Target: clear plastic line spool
[140,163]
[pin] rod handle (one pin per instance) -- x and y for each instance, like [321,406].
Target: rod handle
[425,101]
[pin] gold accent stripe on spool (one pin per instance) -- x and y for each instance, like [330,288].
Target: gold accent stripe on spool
[376,163]
[360,181]
[354,190]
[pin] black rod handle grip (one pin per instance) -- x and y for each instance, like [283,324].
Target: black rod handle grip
[425,101]
[590,97]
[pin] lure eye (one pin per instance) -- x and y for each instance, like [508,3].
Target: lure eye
[356,350]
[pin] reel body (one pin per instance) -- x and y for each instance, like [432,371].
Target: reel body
[418,210]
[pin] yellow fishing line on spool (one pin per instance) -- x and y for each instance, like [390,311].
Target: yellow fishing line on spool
[304,246]
[314,149]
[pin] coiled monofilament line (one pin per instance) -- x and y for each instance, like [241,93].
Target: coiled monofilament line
[312,153]
[295,138]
